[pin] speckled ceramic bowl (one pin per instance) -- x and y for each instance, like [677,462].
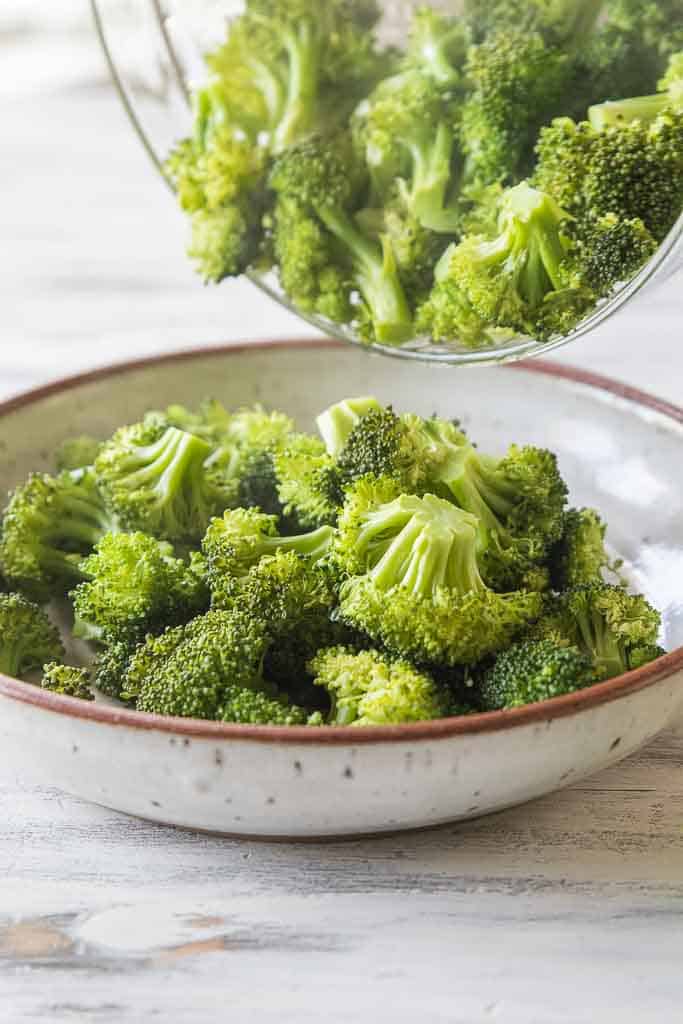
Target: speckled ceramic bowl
[619,450]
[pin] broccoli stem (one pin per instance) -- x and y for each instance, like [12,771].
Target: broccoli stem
[535,247]
[603,644]
[314,545]
[299,105]
[619,112]
[376,275]
[427,194]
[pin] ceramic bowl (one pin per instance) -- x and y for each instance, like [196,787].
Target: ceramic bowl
[619,450]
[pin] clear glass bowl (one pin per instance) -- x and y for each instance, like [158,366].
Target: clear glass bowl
[154,51]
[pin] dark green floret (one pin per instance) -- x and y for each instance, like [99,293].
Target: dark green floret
[67,681]
[534,671]
[307,482]
[28,640]
[580,556]
[50,524]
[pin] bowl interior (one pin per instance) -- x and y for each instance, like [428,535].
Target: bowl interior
[617,453]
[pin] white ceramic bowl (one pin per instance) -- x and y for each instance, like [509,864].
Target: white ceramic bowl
[619,450]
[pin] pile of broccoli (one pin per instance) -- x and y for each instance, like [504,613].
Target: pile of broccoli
[497,177]
[227,567]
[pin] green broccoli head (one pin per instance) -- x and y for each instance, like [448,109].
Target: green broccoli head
[519,501]
[28,640]
[615,250]
[580,556]
[67,681]
[516,279]
[534,671]
[326,180]
[111,665]
[156,479]
[135,585]
[336,423]
[415,582]
[307,482]
[50,524]
[370,688]
[208,669]
[616,629]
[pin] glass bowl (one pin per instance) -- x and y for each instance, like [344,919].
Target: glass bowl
[154,49]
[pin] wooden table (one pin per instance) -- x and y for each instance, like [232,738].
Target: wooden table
[567,910]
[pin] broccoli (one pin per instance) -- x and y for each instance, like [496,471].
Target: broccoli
[627,163]
[111,664]
[320,175]
[534,671]
[580,555]
[220,181]
[614,251]
[156,479]
[527,279]
[437,46]
[134,586]
[408,132]
[50,524]
[210,669]
[336,423]
[617,630]
[369,688]
[415,583]
[28,639]
[67,680]
[77,453]
[307,482]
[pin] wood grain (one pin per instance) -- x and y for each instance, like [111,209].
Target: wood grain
[567,910]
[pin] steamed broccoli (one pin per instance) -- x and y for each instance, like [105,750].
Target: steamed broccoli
[321,177]
[208,669]
[156,479]
[534,671]
[369,688]
[526,279]
[580,556]
[27,637]
[135,585]
[49,525]
[617,630]
[336,423]
[67,680]
[307,482]
[415,581]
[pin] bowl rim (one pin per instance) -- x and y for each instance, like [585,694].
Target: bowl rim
[486,722]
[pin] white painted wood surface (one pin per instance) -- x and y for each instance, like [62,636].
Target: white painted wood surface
[568,910]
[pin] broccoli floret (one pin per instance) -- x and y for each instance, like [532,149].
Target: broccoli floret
[437,46]
[308,483]
[416,585]
[220,181]
[28,640]
[210,669]
[289,69]
[408,129]
[336,423]
[626,164]
[49,525]
[519,501]
[370,688]
[534,671]
[308,266]
[111,665]
[617,630]
[136,586]
[236,543]
[321,177]
[527,279]
[580,556]
[614,251]
[77,453]
[67,680]
[156,479]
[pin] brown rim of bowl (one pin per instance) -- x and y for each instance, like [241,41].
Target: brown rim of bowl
[559,707]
